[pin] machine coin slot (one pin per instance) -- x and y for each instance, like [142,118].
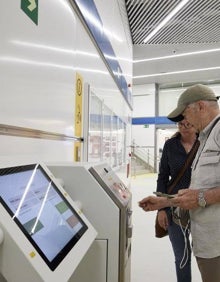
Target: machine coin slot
[105,169]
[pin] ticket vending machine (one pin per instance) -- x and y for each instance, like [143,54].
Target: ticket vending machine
[44,235]
[106,202]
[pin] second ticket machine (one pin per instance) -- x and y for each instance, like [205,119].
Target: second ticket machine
[43,234]
[106,201]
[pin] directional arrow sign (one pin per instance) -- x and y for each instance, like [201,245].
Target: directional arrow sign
[30,7]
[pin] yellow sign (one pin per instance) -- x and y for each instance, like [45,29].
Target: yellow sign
[78,116]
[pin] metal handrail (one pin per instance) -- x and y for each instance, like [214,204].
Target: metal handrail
[12,130]
[143,153]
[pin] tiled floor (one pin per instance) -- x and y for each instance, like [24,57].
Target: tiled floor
[152,258]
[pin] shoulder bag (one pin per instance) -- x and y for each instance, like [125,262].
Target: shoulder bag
[160,232]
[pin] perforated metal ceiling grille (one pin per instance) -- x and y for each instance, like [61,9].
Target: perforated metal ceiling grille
[197,22]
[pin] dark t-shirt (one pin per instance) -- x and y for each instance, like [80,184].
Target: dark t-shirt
[172,159]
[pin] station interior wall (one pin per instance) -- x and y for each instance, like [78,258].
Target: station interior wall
[38,68]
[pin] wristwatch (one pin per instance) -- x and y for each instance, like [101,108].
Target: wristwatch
[201,199]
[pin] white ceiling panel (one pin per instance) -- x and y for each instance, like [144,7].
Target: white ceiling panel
[194,28]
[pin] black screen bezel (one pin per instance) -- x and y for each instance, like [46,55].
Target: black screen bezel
[53,264]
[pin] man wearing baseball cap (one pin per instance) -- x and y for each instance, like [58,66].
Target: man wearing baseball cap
[199,106]
[193,94]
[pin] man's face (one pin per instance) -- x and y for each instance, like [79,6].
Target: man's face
[191,114]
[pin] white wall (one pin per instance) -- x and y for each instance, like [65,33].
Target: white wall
[144,106]
[38,66]
[168,98]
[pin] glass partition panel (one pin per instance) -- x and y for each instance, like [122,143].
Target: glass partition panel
[114,143]
[107,127]
[95,129]
[121,142]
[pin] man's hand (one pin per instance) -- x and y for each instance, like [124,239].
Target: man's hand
[152,203]
[186,199]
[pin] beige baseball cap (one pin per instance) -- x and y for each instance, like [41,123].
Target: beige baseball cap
[190,95]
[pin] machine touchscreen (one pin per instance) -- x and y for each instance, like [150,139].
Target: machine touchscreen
[41,211]
[109,180]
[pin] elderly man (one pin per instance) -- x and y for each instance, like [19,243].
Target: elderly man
[199,106]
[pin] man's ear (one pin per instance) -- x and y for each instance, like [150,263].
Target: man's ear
[201,105]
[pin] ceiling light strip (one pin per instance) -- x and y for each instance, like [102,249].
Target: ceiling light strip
[178,55]
[163,10]
[184,36]
[184,26]
[140,26]
[166,20]
[142,22]
[150,14]
[178,25]
[180,30]
[174,24]
[164,35]
[157,38]
[156,16]
[175,72]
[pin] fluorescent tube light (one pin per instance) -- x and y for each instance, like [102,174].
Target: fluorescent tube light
[168,17]
[177,55]
[174,72]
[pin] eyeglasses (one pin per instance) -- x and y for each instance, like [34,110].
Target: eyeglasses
[187,125]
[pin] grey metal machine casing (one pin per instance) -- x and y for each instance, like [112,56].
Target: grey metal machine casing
[107,204]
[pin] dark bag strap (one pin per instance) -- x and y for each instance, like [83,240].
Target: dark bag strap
[186,164]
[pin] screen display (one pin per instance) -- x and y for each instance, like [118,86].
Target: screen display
[39,208]
[105,175]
